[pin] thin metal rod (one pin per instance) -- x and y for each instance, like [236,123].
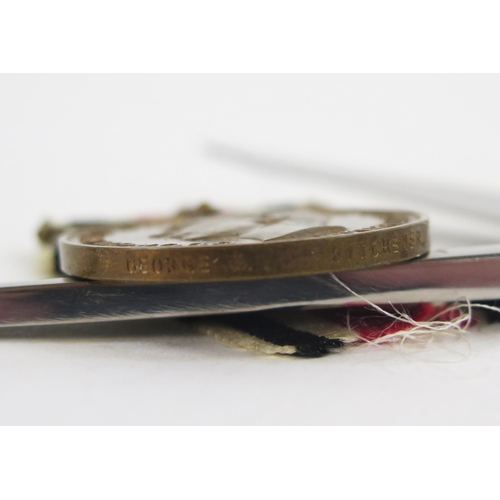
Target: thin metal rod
[480,206]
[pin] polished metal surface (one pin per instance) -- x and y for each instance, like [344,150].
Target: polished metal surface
[443,276]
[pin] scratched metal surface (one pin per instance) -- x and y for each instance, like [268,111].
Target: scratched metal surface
[440,277]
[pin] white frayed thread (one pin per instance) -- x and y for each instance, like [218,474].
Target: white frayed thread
[422,331]
[486,306]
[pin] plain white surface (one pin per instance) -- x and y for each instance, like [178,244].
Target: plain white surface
[116,146]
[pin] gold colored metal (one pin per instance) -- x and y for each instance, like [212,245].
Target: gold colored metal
[207,245]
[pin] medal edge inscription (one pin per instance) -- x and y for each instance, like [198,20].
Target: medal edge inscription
[272,259]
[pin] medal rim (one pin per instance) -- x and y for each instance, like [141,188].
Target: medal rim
[366,247]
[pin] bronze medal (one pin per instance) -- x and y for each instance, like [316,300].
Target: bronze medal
[209,245]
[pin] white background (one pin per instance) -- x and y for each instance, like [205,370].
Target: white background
[76,147]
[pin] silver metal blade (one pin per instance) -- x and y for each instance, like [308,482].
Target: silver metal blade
[444,276]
